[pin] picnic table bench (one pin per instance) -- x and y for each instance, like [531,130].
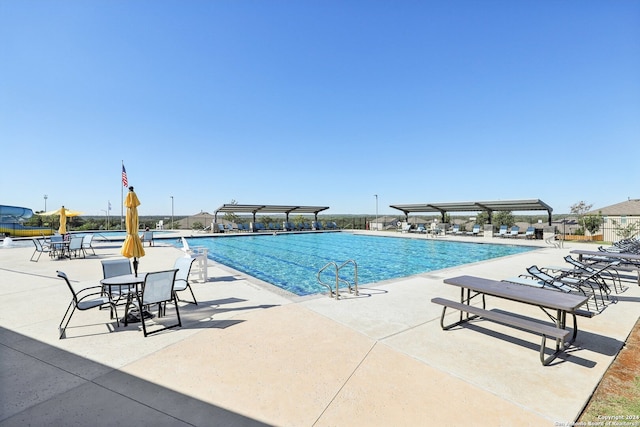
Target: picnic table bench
[562,303]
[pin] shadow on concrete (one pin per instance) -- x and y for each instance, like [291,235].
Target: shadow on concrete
[45,385]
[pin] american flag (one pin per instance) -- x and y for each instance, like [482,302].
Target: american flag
[124,177]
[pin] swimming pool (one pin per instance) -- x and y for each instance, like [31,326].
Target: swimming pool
[120,235]
[292,261]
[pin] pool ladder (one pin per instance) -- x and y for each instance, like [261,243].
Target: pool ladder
[339,279]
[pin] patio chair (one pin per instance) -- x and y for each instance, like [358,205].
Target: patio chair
[514,232]
[183,265]
[455,229]
[75,246]
[84,299]
[56,245]
[147,237]
[41,247]
[87,241]
[158,289]
[503,231]
[112,268]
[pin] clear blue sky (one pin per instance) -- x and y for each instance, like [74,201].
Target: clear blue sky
[318,103]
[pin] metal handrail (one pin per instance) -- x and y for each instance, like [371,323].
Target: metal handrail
[339,279]
[324,284]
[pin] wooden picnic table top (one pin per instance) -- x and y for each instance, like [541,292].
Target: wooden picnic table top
[620,255]
[526,294]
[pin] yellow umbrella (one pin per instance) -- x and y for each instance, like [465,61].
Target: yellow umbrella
[64,214]
[63,221]
[132,246]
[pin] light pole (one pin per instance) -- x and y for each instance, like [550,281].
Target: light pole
[45,202]
[377,225]
[107,215]
[172,212]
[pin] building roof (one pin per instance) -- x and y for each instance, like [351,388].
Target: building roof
[629,207]
[498,205]
[255,209]
[488,206]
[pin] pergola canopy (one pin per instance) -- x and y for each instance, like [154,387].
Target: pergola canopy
[255,209]
[486,206]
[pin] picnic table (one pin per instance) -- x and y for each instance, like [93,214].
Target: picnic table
[563,303]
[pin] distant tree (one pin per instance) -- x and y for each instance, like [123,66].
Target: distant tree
[627,231]
[504,218]
[197,225]
[579,209]
[593,223]
[482,218]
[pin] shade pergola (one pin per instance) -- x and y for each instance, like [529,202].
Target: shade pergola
[486,206]
[281,209]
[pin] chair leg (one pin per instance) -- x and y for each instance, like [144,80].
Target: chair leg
[36,252]
[62,329]
[192,296]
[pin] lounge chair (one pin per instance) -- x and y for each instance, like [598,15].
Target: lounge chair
[503,231]
[530,233]
[455,229]
[203,229]
[606,271]
[475,231]
[515,230]
[586,285]
[406,228]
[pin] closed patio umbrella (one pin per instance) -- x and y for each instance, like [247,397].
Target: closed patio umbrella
[64,214]
[132,246]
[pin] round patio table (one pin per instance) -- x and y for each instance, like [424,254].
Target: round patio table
[133,282]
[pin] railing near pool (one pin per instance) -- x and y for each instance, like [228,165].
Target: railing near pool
[339,279]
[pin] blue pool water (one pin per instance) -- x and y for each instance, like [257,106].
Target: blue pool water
[120,235]
[292,261]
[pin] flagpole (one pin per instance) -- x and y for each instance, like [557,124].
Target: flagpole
[121,196]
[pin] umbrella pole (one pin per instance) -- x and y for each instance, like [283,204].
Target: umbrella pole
[135,266]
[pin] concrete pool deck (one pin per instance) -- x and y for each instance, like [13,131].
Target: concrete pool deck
[249,356]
